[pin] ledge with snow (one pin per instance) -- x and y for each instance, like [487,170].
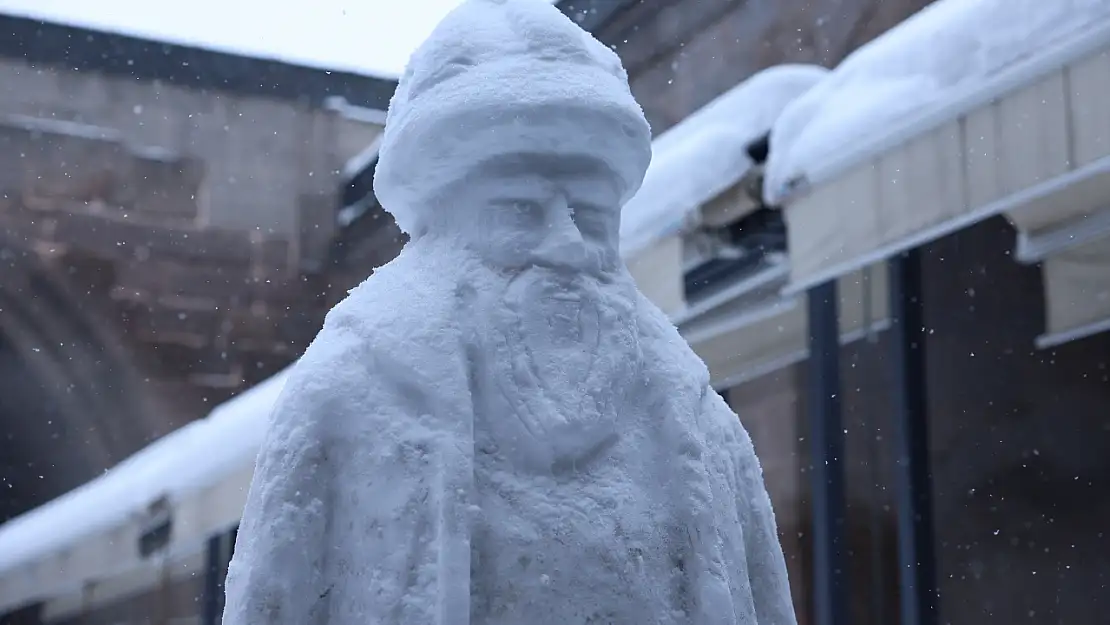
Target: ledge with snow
[704,249]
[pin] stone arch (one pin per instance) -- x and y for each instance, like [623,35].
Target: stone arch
[71,401]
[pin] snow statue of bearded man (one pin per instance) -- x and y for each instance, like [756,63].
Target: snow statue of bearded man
[497,428]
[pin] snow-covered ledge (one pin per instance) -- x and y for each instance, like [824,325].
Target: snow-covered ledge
[706,154]
[697,177]
[700,178]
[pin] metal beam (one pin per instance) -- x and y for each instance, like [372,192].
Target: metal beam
[913,477]
[830,570]
[220,549]
[213,563]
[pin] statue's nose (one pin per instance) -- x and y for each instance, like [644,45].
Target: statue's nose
[562,228]
[562,241]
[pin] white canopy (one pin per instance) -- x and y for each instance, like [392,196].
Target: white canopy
[755,330]
[1077,292]
[950,57]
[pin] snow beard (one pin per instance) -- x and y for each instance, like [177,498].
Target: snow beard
[562,355]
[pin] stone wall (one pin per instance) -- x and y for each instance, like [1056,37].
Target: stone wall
[191,228]
[203,206]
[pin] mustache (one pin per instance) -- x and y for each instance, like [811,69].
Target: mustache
[598,268]
[546,286]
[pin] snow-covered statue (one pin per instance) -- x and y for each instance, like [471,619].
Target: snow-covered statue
[497,428]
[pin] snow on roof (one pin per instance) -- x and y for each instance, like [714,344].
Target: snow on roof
[190,458]
[706,153]
[929,60]
[367,37]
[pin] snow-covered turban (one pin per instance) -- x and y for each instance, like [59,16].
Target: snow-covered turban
[501,77]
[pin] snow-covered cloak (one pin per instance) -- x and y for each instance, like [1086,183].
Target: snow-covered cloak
[360,508]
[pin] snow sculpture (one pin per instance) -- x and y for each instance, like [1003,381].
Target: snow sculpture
[496,428]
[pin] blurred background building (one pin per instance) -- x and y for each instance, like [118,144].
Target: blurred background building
[168,221]
[176,222]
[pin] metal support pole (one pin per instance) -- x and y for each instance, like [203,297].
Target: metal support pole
[913,478]
[212,574]
[232,536]
[830,579]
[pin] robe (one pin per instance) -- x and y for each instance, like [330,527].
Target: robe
[377,498]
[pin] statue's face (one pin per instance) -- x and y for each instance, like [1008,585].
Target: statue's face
[525,210]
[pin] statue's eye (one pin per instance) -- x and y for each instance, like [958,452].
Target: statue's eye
[519,213]
[591,220]
[524,209]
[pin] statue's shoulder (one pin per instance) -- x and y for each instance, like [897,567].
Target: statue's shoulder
[673,365]
[668,354]
[393,339]
[399,325]
[407,309]
[409,301]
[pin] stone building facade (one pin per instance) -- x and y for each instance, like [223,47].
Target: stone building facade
[166,222]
